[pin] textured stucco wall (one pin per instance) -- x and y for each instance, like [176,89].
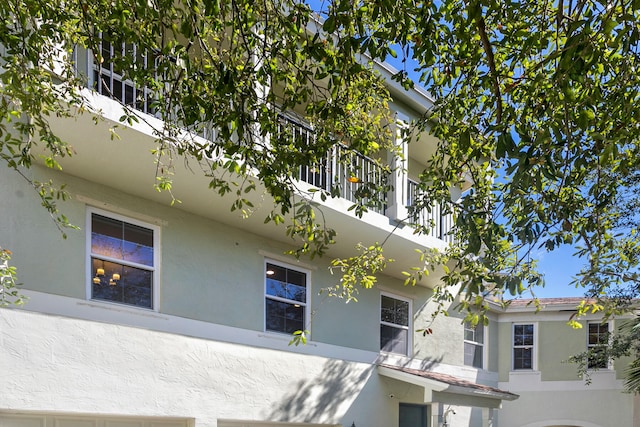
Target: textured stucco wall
[67,365]
[602,408]
[621,364]
[557,342]
[43,258]
[504,350]
[445,343]
[493,354]
[209,271]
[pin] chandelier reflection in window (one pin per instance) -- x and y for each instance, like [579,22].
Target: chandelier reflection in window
[101,279]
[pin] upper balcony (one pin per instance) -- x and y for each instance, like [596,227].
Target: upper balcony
[387,185]
[359,178]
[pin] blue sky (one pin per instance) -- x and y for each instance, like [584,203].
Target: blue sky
[559,268]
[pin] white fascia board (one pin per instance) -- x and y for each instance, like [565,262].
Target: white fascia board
[488,394]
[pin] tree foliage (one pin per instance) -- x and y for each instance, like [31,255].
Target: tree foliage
[9,293]
[534,101]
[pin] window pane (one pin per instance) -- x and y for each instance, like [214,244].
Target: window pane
[138,244]
[469,334]
[523,335]
[151,103]
[116,90]
[394,311]
[393,340]
[286,283]
[128,95]
[105,84]
[276,288]
[141,59]
[106,54]
[137,284]
[106,236]
[130,51]
[296,278]
[122,284]
[97,81]
[479,330]
[598,333]
[284,317]
[119,240]
[522,358]
[140,101]
[119,54]
[474,333]
[473,355]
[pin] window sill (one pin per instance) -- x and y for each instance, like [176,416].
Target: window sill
[391,353]
[394,358]
[278,336]
[120,308]
[524,372]
[601,371]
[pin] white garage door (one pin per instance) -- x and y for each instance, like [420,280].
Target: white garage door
[244,423]
[45,420]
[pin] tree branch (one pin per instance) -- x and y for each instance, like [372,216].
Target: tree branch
[488,50]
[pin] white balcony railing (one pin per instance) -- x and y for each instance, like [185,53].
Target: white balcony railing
[109,81]
[437,223]
[357,176]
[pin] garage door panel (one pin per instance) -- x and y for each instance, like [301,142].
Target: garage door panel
[9,420]
[74,422]
[47,420]
[123,423]
[165,424]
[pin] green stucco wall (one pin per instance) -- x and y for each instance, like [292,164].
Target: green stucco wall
[493,355]
[209,271]
[557,342]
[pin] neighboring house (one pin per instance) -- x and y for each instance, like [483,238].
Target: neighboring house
[159,316]
[534,348]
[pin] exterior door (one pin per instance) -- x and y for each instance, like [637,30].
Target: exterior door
[413,415]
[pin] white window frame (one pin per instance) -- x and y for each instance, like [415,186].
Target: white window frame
[306,305]
[590,346]
[155,269]
[534,351]
[408,328]
[477,343]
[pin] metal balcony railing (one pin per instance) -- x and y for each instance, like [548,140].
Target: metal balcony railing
[318,174]
[109,81]
[357,176]
[437,223]
[106,79]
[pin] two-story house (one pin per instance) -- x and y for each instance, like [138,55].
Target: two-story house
[181,316]
[534,349]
